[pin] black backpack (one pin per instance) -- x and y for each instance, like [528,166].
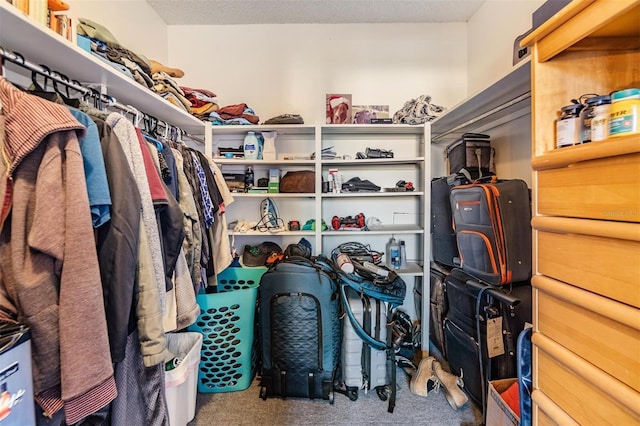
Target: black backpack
[299,330]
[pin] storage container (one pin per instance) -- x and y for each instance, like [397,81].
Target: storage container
[499,412]
[227,322]
[16,377]
[625,113]
[181,382]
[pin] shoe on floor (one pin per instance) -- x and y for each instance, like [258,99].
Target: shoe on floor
[423,379]
[451,385]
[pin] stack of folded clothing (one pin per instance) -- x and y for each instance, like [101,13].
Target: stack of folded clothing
[148,72]
[203,102]
[167,87]
[233,115]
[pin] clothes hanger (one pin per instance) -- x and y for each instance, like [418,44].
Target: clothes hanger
[65,96]
[137,116]
[152,131]
[36,84]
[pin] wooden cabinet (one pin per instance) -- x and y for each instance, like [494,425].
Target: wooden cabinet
[586,201]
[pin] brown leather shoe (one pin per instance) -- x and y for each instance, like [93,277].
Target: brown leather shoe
[451,385]
[423,380]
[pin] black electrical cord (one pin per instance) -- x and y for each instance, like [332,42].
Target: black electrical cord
[265,224]
[358,252]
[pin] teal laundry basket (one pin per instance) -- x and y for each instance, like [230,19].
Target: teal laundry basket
[227,324]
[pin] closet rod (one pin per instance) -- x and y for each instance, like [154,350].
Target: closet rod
[184,133]
[110,101]
[20,60]
[498,109]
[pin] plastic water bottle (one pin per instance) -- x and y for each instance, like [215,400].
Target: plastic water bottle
[403,255]
[393,254]
[251,146]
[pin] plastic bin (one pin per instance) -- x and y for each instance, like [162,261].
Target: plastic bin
[181,382]
[226,321]
[16,380]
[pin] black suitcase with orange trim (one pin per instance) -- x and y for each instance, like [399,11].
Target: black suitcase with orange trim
[492,222]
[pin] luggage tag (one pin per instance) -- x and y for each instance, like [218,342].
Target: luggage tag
[495,344]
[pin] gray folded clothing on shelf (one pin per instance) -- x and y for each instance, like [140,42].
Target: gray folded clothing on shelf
[285,119]
[355,184]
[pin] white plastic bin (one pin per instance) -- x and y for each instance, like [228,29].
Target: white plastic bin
[181,383]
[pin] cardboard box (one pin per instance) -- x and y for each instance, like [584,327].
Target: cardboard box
[274,181]
[498,412]
[274,188]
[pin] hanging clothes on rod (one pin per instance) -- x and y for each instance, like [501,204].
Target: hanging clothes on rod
[48,259]
[144,248]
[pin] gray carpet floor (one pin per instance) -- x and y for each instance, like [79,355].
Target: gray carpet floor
[247,408]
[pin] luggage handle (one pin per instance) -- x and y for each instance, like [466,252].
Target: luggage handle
[376,344]
[494,293]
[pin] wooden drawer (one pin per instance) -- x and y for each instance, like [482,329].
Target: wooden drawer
[607,188]
[544,419]
[603,332]
[582,391]
[546,412]
[602,257]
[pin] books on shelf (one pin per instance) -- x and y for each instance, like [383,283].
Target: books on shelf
[62,24]
[57,5]
[22,5]
[50,13]
[39,11]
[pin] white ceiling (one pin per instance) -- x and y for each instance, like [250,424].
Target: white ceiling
[232,12]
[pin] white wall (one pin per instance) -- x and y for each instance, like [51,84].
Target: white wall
[278,69]
[492,32]
[132,22]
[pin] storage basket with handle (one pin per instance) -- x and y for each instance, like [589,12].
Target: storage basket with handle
[227,323]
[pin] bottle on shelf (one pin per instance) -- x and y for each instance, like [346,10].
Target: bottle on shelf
[251,146]
[269,150]
[403,255]
[248,179]
[393,254]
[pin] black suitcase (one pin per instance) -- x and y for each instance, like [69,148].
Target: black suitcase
[472,305]
[444,247]
[492,222]
[299,330]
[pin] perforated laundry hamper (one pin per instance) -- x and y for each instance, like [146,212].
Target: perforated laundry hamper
[227,324]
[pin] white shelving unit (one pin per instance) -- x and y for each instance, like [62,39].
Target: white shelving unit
[404,215]
[38,44]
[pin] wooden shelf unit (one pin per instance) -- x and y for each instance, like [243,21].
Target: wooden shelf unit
[586,201]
